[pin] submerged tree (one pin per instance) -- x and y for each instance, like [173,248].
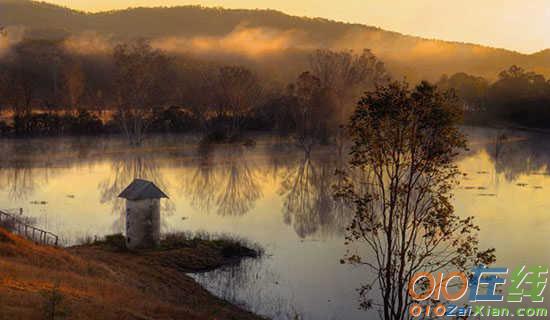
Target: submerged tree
[402,159]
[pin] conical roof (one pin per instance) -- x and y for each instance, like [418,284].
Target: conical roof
[141,189]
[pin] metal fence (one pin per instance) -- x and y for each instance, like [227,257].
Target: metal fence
[17,226]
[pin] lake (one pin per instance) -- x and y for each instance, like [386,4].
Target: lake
[272,194]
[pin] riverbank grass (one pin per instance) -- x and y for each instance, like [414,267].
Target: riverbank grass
[93,281]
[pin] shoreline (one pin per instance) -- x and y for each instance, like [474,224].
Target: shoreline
[100,281]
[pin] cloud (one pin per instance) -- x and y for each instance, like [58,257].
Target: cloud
[88,43]
[242,41]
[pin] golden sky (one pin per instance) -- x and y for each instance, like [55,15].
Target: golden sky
[522,25]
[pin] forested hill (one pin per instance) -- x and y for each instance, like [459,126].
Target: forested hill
[161,21]
[264,32]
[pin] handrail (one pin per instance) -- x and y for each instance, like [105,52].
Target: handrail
[30,232]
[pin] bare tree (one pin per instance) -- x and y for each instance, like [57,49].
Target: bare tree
[142,77]
[312,112]
[345,75]
[25,80]
[31,83]
[74,83]
[404,146]
[236,91]
[195,79]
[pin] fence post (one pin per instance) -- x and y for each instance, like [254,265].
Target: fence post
[22,229]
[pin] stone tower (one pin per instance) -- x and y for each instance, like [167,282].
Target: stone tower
[142,214]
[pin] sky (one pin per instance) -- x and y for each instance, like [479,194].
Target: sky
[521,25]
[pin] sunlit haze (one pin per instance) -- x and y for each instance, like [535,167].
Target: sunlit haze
[513,24]
[274,159]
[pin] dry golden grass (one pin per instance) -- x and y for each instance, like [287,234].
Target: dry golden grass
[96,283]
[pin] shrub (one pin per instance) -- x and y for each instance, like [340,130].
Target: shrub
[229,246]
[52,307]
[115,241]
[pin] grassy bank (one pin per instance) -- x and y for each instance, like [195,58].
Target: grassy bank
[103,281]
[184,251]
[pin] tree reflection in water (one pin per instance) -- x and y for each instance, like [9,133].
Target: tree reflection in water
[28,164]
[515,155]
[24,167]
[307,189]
[228,181]
[512,153]
[19,180]
[229,187]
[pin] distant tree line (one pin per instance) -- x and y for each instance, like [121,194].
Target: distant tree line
[134,89]
[517,98]
[46,89]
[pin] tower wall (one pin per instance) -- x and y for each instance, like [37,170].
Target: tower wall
[142,223]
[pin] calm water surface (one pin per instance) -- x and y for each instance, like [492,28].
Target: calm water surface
[272,194]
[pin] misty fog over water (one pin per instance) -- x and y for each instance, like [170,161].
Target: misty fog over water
[272,194]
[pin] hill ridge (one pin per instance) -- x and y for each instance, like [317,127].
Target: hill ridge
[407,55]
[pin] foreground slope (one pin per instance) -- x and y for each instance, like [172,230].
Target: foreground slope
[94,282]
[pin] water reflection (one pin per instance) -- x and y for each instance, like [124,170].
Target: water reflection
[23,169]
[512,153]
[225,180]
[202,186]
[276,195]
[19,181]
[230,187]
[230,180]
[307,188]
[251,285]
